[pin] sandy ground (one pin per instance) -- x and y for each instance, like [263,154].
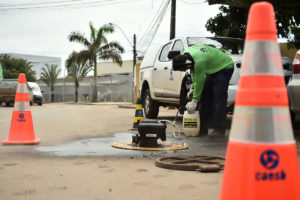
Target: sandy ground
[26,173]
[27,177]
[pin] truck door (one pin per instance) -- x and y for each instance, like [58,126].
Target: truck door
[173,84]
[160,75]
[166,81]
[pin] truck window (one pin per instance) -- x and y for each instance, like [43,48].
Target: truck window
[163,57]
[178,46]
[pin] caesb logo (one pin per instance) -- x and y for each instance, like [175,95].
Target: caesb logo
[269,159]
[21,118]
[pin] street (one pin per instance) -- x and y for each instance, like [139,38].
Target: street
[75,159]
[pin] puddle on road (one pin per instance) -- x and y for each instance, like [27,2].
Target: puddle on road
[102,147]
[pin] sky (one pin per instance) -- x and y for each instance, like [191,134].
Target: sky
[45,31]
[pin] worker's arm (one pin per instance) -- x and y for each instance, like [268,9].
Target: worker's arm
[200,56]
[198,83]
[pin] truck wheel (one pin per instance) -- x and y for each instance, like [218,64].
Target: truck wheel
[151,107]
[9,104]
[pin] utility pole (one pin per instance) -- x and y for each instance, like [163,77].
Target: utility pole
[134,50]
[173,19]
[134,63]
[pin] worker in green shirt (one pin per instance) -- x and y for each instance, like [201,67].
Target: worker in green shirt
[211,70]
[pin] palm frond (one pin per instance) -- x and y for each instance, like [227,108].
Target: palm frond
[71,59]
[49,74]
[79,57]
[113,55]
[103,31]
[78,71]
[93,32]
[112,45]
[79,37]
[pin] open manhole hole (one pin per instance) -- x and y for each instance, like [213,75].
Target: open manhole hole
[192,163]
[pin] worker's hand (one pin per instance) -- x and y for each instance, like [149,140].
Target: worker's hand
[189,95]
[191,106]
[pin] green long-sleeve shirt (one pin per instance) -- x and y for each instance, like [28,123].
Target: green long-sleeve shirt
[207,60]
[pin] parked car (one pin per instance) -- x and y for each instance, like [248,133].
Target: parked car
[294,87]
[161,86]
[37,93]
[8,88]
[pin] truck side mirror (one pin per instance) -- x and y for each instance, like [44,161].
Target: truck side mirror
[172,54]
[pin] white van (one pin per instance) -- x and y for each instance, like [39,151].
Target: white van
[37,93]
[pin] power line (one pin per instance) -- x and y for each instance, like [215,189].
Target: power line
[145,40]
[152,22]
[40,3]
[150,33]
[76,5]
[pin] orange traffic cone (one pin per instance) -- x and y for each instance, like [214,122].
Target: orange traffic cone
[21,128]
[261,160]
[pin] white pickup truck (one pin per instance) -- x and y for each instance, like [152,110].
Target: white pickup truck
[161,86]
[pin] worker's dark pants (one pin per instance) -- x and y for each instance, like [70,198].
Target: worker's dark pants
[214,100]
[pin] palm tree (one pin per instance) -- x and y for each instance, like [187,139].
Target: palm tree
[49,76]
[98,47]
[77,70]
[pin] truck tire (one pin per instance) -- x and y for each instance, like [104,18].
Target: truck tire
[151,107]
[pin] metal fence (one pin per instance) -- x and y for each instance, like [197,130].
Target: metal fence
[111,88]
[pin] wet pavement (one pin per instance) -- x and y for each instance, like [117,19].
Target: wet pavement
[103,147]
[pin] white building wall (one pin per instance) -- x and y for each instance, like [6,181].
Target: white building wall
[113,68]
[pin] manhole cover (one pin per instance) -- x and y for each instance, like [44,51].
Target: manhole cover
[192,163]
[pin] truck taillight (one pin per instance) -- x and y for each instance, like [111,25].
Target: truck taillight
[296,63]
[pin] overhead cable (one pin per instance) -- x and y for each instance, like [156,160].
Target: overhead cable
[147,39]
[76,5]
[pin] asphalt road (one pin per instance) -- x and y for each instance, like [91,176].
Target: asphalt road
[75,159]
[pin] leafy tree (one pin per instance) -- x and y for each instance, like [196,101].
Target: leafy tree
[230,22]
[295,41]
[233,16]
[77,70]
[98,47]
[49,76]
[12,67]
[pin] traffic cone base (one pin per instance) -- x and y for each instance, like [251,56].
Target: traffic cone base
[21,129]
[34,141]
[261,172]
